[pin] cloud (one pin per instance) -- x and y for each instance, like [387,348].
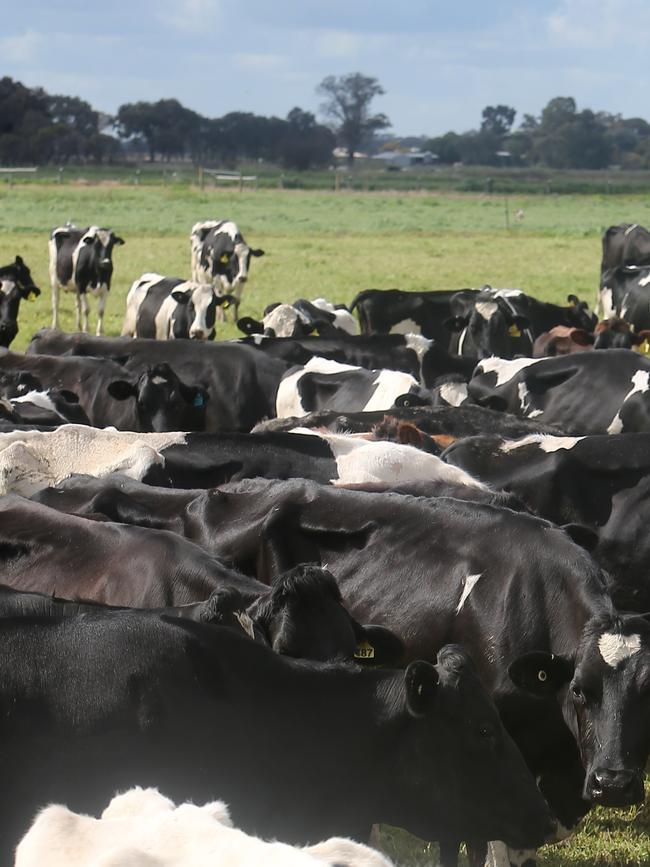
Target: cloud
[259,62]
[191,16]
[21,49]
[600,24]
[339,44]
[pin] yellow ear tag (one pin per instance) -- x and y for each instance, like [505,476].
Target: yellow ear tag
[225,258]
[226,305]
[364,651]
[513,331]
[643,348]
[32,296]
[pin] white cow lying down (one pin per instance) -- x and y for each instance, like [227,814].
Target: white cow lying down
[142,828]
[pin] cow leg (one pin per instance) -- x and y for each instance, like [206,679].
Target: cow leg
[82,312]
[55,303]
[476,853]
[101,306]
[499,855]
[449,852]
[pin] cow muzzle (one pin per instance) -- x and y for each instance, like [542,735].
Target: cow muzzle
[105,262]
[614,787]
[197,334]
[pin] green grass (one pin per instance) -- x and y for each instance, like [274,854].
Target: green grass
[333,245]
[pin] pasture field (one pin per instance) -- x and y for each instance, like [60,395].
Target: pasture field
[333,245]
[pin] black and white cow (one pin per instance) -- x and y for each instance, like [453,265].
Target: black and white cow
[300,319]
[625,293]
[81,262]
[625,244]
[586,393]
[168,308]
[325,384]
[15,284]
[220,256]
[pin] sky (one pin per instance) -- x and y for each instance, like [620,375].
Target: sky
[440,63]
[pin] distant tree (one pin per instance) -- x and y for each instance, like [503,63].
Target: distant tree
[307,143]
[347,101]
[447,147]
[166,126]
[497,119]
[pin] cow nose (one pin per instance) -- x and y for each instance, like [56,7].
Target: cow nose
[105,262]
[243,278]
[615,787]
[197,334]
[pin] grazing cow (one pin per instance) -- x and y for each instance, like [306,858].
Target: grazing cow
[168,308]
[221,257]
[300,319]
[81,262]
[421,748]
[141,825]
[586,393]
[586,734]
[15,284]
[562,340]
[105,390]
[506,322]
[240,383]
[393,311]
[324,384]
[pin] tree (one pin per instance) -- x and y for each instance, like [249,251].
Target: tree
[497,119]
[347,104]
[306,143]
[167,126]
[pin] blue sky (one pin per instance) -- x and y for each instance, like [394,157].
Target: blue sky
[439,62]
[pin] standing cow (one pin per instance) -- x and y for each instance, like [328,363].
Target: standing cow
[221,256]
[169,307]
[80,261]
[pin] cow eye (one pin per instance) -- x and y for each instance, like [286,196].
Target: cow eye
[578,694]
[486,730]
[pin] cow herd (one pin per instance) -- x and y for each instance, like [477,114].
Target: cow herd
[315,580]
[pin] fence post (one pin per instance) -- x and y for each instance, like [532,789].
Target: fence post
[241,183]
[507,209]
[201,178]
[337,182]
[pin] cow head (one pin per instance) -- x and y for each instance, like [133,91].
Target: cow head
[579,315]
[98,245]
[494,326]
[605,690]
[16,284]
[163,401]
[228,257]
[303,616]
[202,302]
[477,766]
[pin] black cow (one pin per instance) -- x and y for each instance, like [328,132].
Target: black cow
[625,244]
[300,319]
[81,262]
[585,393]
[15,284]
[442,580]
[422,748]
[625,293]
[171,308]
[40,409]
[393,311]
[506,322]
[240,383]
[105,388]
[221,257]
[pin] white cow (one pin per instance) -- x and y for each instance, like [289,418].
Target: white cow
[142,828]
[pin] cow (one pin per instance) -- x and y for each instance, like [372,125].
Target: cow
[168,308]
[562,340]
[153,398]
[421,748]
[616,333]
[141,824]
[506,322]
[43,408]
[393,311]
[585,729]
[300,319]
[81,262]
[221,257]
[585,393]
[16,284]
[625,293]
[240,383]
[325,384]
[625,244]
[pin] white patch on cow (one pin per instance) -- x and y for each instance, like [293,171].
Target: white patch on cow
[644,280]
[38,398]
[343,318]
[159,380]
[454,393]
[615,648]
[406,326]
[287,401]
[7,286]
[486,309]
[505,369]
[258,339]
[535,413]
[389,384]
[202,297]
[524,397]
[164,318]
[605,303]
[282,320]
[420,345]
[468,586]
[631,228]
[639,384]
[545,442]
[461,340]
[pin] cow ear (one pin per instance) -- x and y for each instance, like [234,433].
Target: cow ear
[30,293]
[582,535]
[573,300]
[378,645]
[180,297]
[195,395]
[119,241]
[521,321]
[88,239]
[409,399]
[456,323]
[225,300]
[121,389]
[420,682]
[541,673]
[257,253]
[19,261]
[250,326]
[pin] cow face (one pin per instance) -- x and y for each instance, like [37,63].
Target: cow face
[16,284]
[228,258]
[478,765]
[606,703]
[164,403]
[202,303]
[97,248]
[496,329]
